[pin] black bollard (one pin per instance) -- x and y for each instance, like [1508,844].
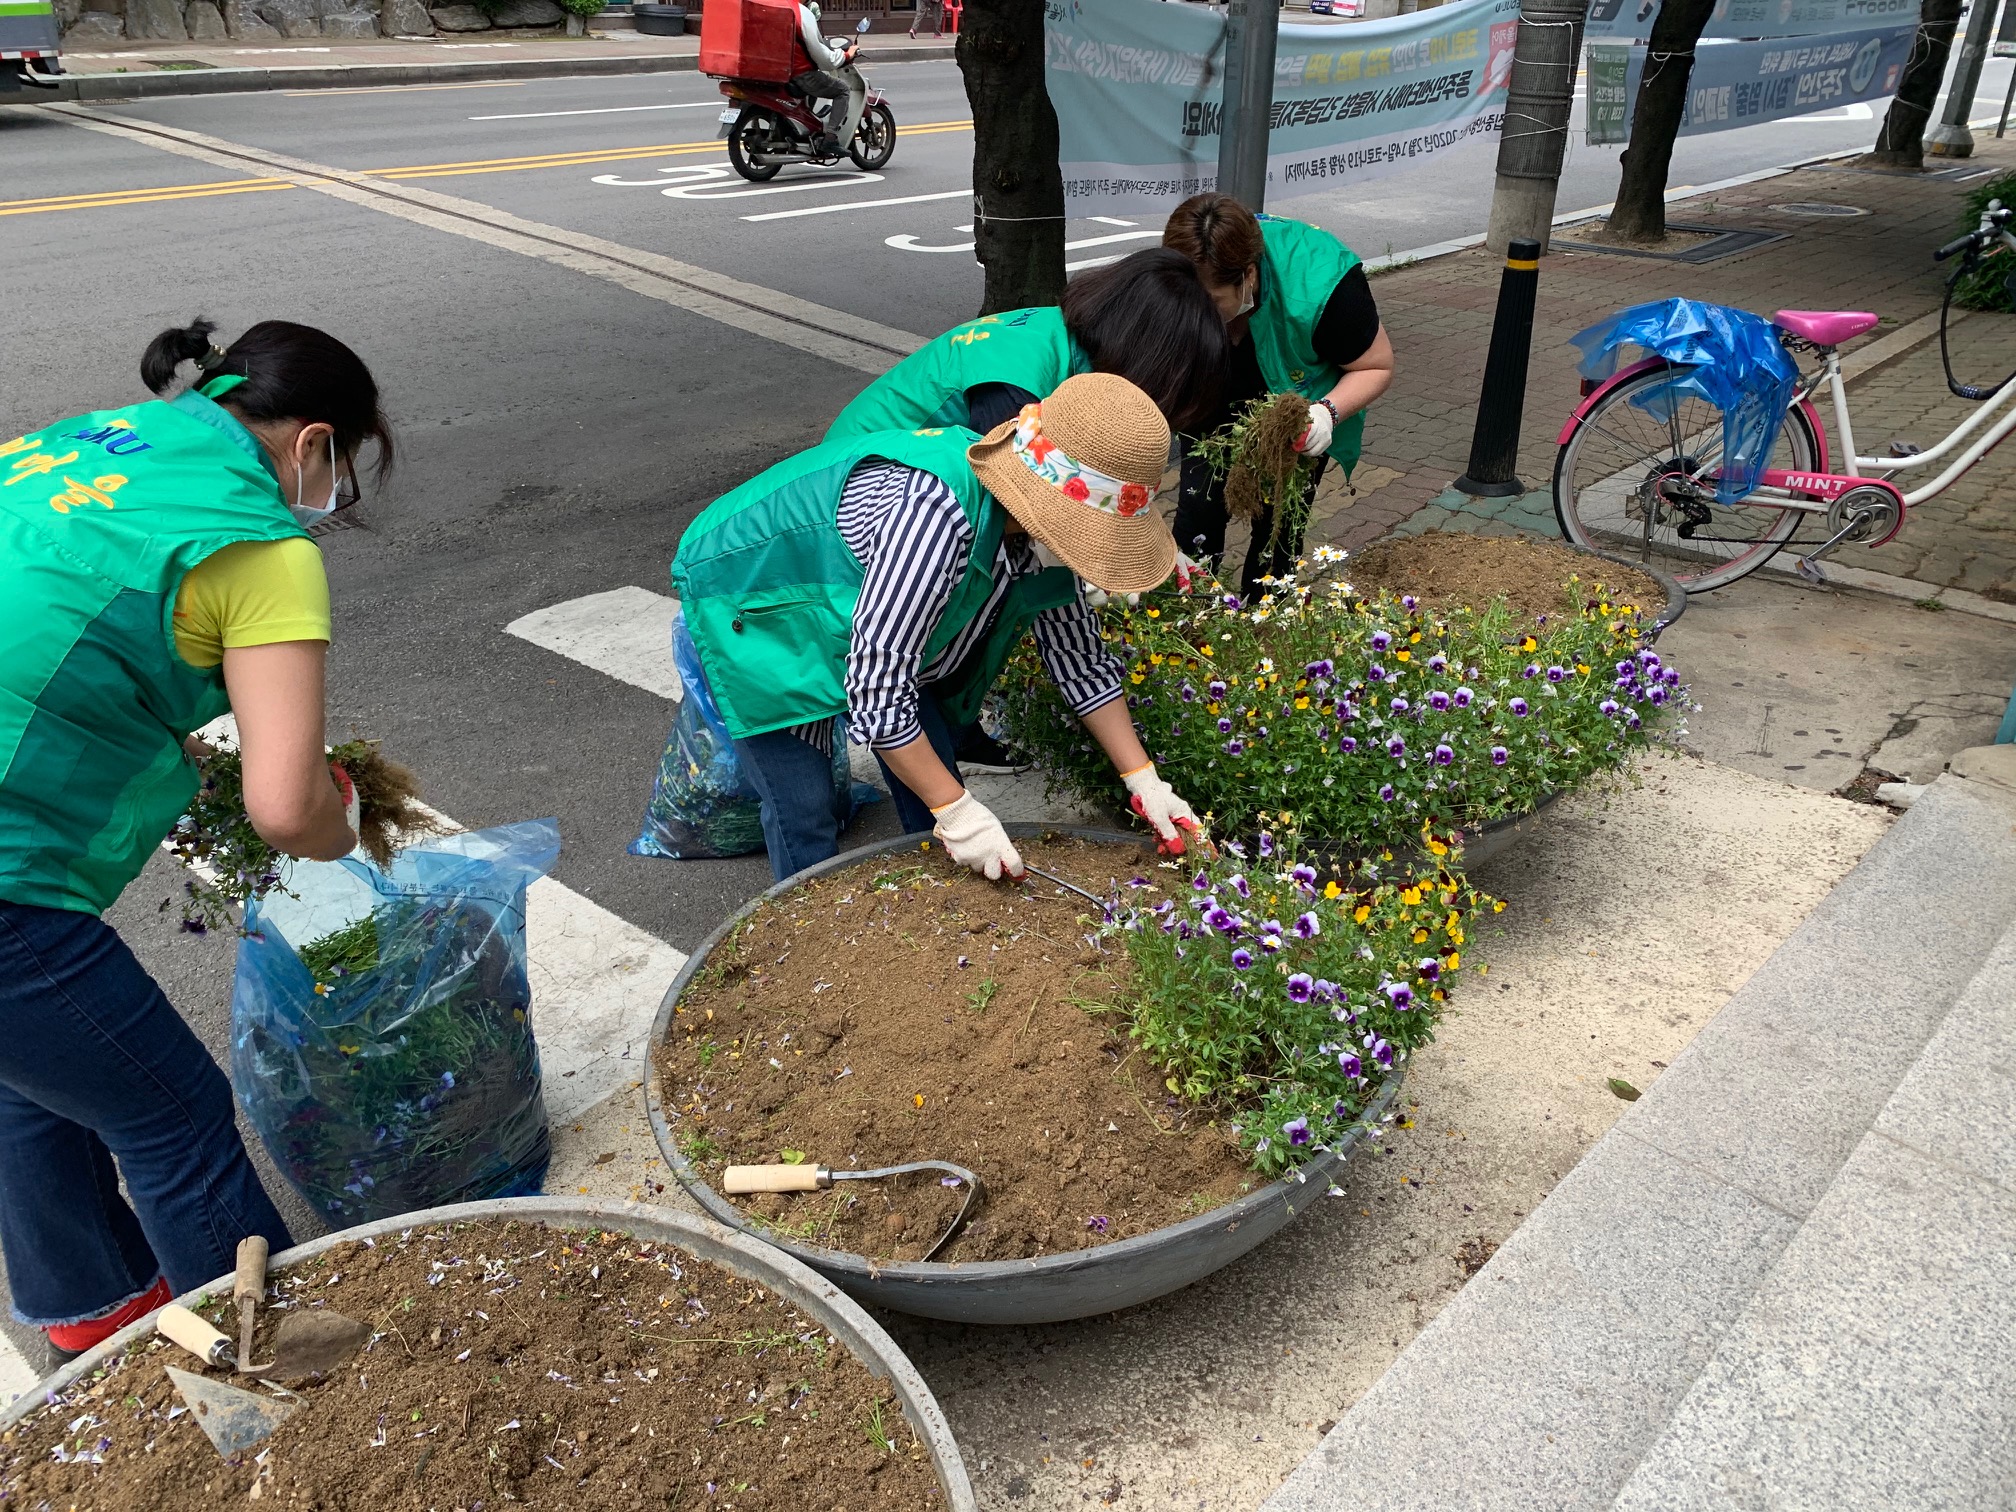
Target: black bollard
[1494,445]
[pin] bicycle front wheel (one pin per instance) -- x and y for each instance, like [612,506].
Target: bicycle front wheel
[1637,479]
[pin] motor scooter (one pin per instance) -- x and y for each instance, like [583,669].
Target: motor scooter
[774,124]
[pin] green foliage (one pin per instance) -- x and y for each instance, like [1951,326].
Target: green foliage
[1280,999]
[1987,287]
[582,7]
[1364,722]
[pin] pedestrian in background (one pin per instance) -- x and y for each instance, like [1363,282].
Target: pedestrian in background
[937,9]
[158,567]
[1300,317]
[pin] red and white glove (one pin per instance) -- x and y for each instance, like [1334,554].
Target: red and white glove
[973,837]
[349,791]
[1316,440]
[1168,815]
[1185,571]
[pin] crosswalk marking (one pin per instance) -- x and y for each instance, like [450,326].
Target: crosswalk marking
[625,633]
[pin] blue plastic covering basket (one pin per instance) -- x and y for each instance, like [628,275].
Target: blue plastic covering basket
[1729,358]
[406,1077]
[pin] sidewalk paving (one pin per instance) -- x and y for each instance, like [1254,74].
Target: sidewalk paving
[135,69]
[1440,311]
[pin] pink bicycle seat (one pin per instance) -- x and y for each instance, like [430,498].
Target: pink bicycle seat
[1826,327]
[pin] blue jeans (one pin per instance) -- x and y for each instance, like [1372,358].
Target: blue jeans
[802,817]
[96,1064]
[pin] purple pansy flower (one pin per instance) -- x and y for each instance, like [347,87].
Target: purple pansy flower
[1461,698]
[1499,755]
[1224,726]
[1242,958]
[1376,673]
[1216,689]
[1350,1065]
[1238,885]
[1518,707]
[1302,874]
[1396,748]
[1266,844]
[1443,755]
[1321,668]
[1556,674]
[1608,707]
[1235,748]
[1300,987]
[1399,994]
[1531,671]
[1438,700]
[1297,1130]
[1382,1053]
[1386,793]
[1398,706]
[1428,969]
[1381,640]
[1347,745]
[1438,663]
[1308,926]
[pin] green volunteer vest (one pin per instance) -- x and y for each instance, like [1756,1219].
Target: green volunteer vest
[1300,268]
[1027,348]
[100,518]
[769,585]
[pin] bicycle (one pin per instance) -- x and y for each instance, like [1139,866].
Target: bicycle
[1633,482]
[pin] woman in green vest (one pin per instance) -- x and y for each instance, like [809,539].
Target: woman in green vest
[1301,319]
[885,578]
[158,571]
[1145,317]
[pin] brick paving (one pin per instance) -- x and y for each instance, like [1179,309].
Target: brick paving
[1439,314]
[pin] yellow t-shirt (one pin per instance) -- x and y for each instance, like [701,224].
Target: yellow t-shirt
[255,593]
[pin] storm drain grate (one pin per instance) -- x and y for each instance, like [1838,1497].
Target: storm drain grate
[1717,247]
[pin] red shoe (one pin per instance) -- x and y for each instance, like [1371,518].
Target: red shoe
[72,1339]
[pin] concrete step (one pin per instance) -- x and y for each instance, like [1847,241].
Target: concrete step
[1545,1383]
[1875,1369]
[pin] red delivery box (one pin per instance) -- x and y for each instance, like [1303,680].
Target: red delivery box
[751,39]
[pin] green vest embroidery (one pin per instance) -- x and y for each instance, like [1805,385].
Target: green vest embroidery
[1300,268]
[769,585]
[1029,349]
[101,516]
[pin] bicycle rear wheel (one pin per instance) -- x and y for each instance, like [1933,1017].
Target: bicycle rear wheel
[1638,480]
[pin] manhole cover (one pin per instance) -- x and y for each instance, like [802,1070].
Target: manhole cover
[1818,211]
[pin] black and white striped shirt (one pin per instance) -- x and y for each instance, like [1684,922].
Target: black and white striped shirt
[911,537]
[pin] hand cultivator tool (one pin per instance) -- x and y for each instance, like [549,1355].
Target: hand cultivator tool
[1093,899]
[740,1181]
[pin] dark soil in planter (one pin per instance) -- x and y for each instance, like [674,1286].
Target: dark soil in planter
[514,1364]
[1450,569]
[909,1010]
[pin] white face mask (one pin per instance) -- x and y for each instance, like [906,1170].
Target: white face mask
[308,514]
[1246,300]
[1045,557]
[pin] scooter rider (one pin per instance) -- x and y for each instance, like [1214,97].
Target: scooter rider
[831,78]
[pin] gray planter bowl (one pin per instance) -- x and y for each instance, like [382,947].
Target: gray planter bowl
[1050,1288]
[732,1251]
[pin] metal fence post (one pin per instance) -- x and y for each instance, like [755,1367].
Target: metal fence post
[1252,28]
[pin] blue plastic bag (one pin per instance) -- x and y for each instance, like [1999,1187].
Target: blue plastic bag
[701,802]
[1728,357]
[381,1039]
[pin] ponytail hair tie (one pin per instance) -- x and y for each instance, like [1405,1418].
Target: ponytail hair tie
[212,360]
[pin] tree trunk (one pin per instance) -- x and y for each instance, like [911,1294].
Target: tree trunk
[1018,224]
[1640,214]
[1901,142]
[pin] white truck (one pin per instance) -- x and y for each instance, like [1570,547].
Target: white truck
[28,45]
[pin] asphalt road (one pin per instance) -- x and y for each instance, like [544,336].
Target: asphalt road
[557,431]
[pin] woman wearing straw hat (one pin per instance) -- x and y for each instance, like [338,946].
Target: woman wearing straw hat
[886,578]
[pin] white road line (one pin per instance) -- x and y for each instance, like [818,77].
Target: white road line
[16,1374]
[874,204]
[534,115]
[1107,220]
[1102,241]
[625,633]
[849,340]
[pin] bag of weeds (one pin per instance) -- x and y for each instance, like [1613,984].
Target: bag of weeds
[702,804]
[381,1040]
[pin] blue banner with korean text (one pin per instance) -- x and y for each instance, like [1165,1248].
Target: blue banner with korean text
[1138,88]
[1747,83]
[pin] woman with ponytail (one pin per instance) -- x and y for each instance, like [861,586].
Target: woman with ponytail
[158,567]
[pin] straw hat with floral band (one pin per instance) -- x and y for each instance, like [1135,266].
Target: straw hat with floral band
[1079,471]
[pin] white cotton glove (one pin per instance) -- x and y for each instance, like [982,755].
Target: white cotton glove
[973,837]
[1156,801]
[1316,440]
